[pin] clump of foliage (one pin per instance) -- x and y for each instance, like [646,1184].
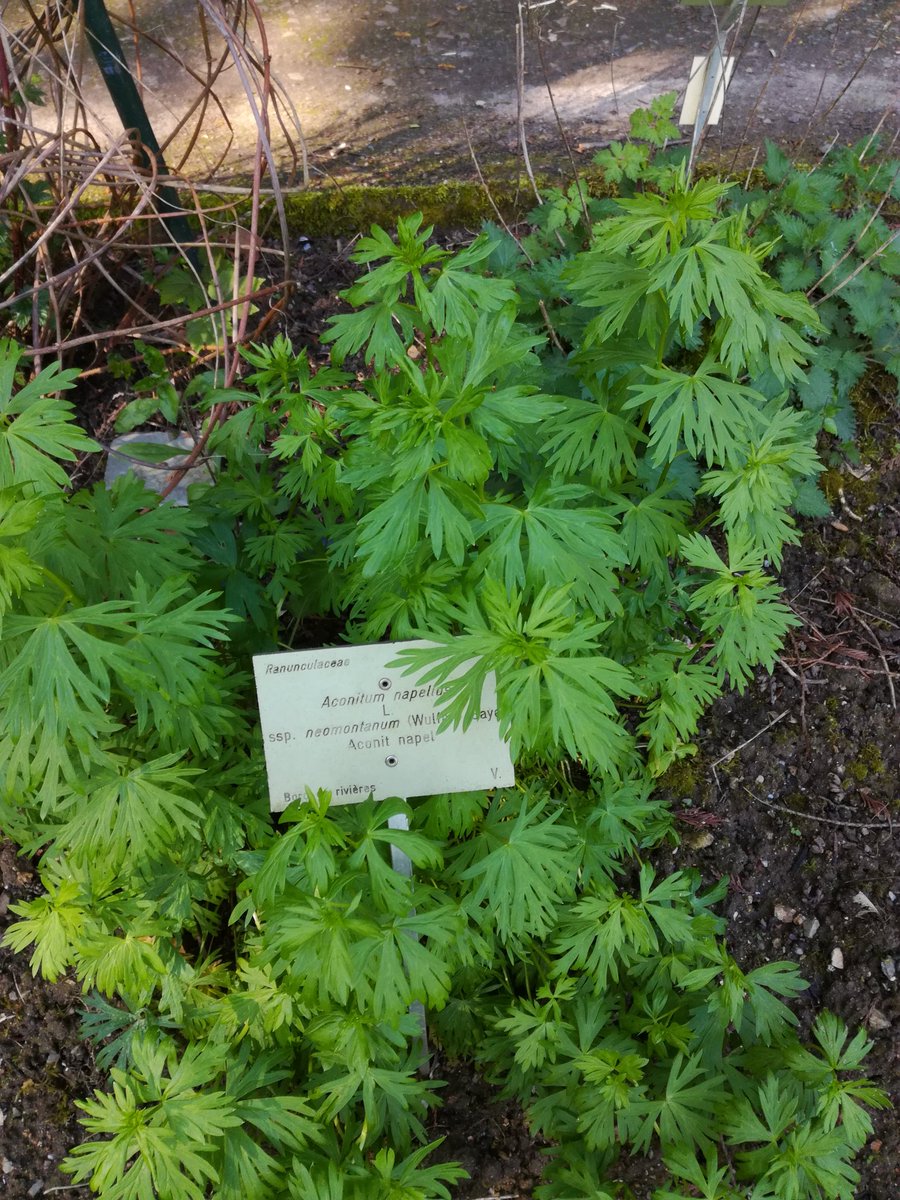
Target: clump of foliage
[826,230]
[826,234]
[573,461]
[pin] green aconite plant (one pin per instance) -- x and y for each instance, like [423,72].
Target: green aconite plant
[572,463]
[826,229]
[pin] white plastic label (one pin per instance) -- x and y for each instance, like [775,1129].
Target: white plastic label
[345,721]
[697,85]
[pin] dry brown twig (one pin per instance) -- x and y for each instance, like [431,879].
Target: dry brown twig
[66,257]
[796,812]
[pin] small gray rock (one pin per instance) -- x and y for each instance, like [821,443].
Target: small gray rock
[876,1021]
[883,592]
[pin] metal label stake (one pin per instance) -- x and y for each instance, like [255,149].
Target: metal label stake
[403,866]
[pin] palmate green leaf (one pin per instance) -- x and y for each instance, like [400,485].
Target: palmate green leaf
[450,507]
[709,1180]
[453,296]
[536,1030]
[179,692]
[607,1104]
[787,351]
[685,1114]
[554,687]
[18,570]
[159,1130]
[605,932]
[406,962]
[810,1163]
[53,924]
[441,508]
[761,481]
[418,593]
[617,286]
[285,1122]
[651,524]
[36,427]
[385,328]
[409,1180]
[796,1161]
[706,410]
[312,940]
[523,867]
[591,435]
[551,538]
[840,1100]
[654,226]
[684,689]
[707,277]
[766,1117]
[127,965]
[55,684]
[122,532]
[739,608]
[129,813]
[389,531]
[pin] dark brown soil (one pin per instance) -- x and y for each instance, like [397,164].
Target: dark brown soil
[805,818]
[44,1066]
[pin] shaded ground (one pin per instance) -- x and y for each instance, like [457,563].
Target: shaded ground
[384,91]
[44,1067]
[805,819]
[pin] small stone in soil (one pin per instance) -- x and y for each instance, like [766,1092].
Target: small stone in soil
[876,1021]
[889,969]
[837,959]
[811,928]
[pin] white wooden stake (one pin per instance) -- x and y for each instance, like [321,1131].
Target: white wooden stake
[403,866]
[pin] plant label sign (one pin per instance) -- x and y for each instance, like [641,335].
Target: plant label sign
[346,721]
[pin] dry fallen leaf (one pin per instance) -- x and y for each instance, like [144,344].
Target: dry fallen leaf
[446,67]
[401,33]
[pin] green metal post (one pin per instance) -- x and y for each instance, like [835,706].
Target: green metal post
[120,84]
